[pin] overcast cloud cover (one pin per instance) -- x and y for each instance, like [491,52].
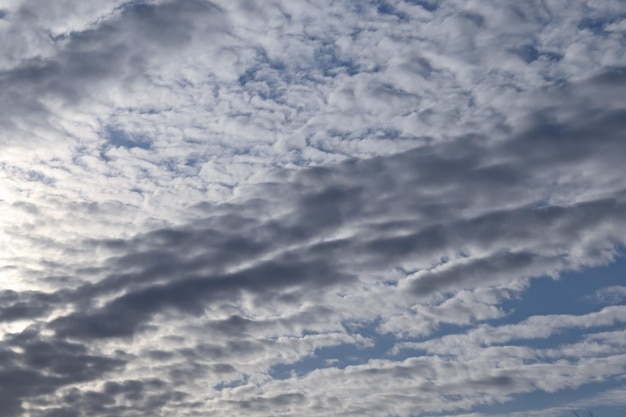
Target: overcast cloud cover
[393,208]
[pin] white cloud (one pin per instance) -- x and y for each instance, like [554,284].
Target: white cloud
[614,294]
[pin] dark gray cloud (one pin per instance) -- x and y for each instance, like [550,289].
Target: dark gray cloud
[43,365]
[128,397]
[26,304]
[121,316]
[439,200]
[119,48]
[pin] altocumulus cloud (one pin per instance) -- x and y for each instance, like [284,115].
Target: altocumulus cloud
[311,208]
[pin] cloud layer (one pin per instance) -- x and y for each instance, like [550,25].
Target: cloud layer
[308,208]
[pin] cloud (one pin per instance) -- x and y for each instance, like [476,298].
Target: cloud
[325,235]
[610,295]
[43,365]
[211,206]
[532,328]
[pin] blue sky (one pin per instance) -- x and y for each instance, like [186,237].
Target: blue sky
[312,207]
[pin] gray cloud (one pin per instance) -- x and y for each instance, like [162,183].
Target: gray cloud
[391,168]
[118,48]
[314,234]
[44,365]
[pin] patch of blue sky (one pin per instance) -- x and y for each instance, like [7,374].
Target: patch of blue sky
[133,5]
[178,166]
[266,81]
[121,139]
[340,356]
[330,62]
[231,384]
[572,293]
[194,160]
[550,56]
[344,355]
[597,25]
[429,5]
[527,53]
[385,8]
[531,53]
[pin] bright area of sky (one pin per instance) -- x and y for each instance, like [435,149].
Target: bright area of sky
[391,208]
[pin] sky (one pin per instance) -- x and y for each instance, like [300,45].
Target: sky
[391,208]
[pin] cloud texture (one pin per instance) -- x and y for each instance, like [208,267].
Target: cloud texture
[311,207]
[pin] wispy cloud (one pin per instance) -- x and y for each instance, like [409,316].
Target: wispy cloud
[610,295]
